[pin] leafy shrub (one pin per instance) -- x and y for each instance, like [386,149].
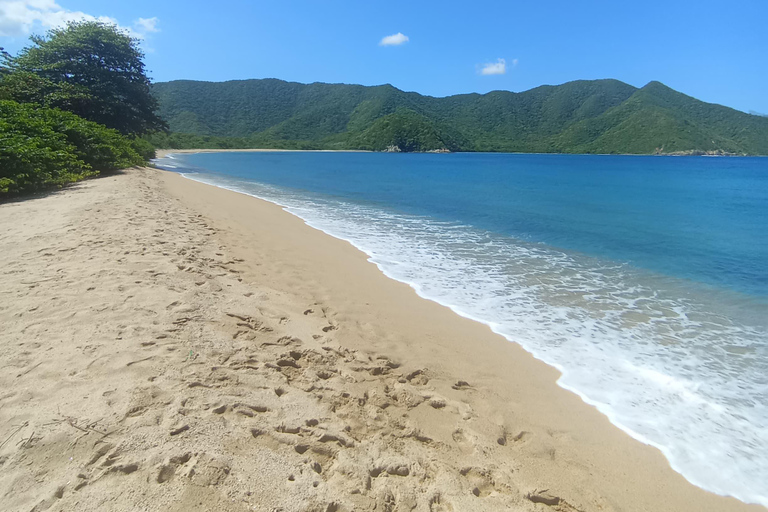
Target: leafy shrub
[101,148]
[143,147]
[32,154]
[42,147]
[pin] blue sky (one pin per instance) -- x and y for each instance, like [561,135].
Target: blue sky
[715,51]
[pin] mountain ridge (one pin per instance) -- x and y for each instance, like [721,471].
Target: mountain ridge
[581,116]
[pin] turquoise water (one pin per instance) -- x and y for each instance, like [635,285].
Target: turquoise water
[643,279]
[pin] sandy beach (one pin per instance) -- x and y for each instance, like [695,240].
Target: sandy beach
[171,346]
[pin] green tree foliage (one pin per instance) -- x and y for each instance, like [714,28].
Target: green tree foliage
[57,99]
[191,141]
[597,116]
[5,59]
[406,130]
[42,147]
[143,147]
[98,60]
[32,154]
[25,87]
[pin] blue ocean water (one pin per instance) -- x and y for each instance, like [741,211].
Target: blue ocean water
[643,279]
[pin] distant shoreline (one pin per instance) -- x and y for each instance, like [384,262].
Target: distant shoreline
[162,153]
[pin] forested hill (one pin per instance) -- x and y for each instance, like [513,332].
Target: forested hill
[598,116]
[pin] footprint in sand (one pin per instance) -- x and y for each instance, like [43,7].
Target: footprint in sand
[480,481]
[461,385]
[438,504]
[418,378]
[464,441]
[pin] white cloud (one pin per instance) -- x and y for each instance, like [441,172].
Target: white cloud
[21,17]
[496,68]
[394,40]
[146,25]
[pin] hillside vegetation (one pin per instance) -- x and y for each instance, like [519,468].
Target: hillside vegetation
[598,116]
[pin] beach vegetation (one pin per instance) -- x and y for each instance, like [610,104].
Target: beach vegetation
[74,104]
[44,147]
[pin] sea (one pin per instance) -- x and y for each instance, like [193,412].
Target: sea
[643,279]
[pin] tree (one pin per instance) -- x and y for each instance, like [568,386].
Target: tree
[99,60]
[24,87]
[5,59]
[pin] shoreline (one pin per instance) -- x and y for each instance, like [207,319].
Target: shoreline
[479,323]
[162,153]
[604,410]
[287,368]
[457,311]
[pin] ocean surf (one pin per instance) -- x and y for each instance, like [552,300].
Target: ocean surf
[644,280]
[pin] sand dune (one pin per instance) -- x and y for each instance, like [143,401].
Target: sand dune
[171,346]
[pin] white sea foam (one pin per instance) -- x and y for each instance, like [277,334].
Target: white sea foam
[675,366]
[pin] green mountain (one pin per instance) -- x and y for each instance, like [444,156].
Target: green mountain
[596,116]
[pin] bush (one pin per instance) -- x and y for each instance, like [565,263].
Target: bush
[33,155]
[101,148]
[44,147]
[143,147]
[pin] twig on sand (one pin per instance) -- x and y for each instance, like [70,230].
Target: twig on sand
[140,360]
[38,281]
[87,428]
[29,370]
[28,440]
[18,429]
[72,421]
[186,319]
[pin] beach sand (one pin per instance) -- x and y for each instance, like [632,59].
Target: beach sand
[167,345]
